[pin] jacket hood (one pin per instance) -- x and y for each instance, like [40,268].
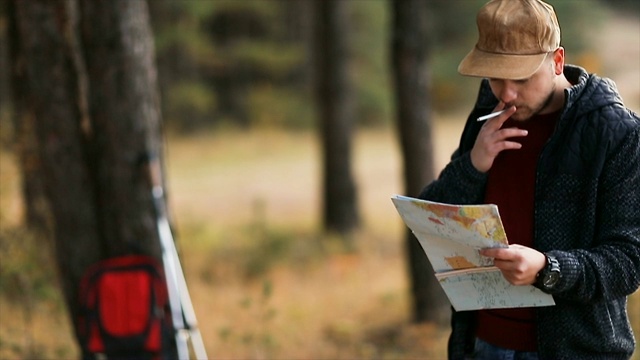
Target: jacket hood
[589,92]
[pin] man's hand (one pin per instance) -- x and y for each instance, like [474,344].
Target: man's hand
[518,264]
[492,139]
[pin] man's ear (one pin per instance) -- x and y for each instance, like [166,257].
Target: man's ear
[558,60]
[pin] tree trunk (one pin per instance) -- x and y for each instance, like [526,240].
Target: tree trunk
[36,212]
[411,73]
[51,93]
[335,107]
[92,148]
[125,113]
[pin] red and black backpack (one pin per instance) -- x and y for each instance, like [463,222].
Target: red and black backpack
[124,310]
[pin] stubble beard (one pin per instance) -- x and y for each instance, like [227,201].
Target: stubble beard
[534,111]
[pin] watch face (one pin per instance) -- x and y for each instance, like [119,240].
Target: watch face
[551,279]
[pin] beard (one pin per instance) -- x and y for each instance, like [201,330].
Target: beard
[525,112]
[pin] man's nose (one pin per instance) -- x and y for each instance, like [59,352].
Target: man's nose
[508,93]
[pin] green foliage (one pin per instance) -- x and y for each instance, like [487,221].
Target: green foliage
[270,58]
[369,43]
[191,102]
[193,95]
[221,50]
[279,106]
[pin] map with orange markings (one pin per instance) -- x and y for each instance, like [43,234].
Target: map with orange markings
[451,236]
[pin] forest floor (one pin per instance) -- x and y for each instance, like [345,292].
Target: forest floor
[265,284]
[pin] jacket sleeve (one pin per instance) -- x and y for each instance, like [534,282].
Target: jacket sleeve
[611,268]
[459,183]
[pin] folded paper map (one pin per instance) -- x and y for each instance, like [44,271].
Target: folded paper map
[451,236]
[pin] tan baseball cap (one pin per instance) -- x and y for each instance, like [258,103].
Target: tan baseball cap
[514,39]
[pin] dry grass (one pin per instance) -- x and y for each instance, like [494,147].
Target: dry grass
[324,302]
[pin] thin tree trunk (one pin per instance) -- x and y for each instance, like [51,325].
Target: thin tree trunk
[36,212]
[334,99]
[411,74]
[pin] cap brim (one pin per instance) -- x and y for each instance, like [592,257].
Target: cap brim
[500,66]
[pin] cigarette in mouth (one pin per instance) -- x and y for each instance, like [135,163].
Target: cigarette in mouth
[490,116]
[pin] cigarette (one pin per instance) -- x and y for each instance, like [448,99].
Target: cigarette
[490,116]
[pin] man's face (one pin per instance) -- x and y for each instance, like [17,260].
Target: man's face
[530,96]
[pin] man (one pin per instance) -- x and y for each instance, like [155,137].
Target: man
[563,165]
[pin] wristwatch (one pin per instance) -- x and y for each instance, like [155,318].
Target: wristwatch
[549,276]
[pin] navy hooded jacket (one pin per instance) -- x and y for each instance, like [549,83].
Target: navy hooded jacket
[587,215]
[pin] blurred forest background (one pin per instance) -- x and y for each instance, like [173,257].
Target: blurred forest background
[240,121]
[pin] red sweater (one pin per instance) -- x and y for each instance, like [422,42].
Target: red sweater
[511,186]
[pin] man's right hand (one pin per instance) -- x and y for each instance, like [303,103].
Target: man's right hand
[492,139]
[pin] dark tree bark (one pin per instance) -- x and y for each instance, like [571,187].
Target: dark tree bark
[336,116]
[91,148]
[36,212]
[125,113]
[411,74]
[49,101]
